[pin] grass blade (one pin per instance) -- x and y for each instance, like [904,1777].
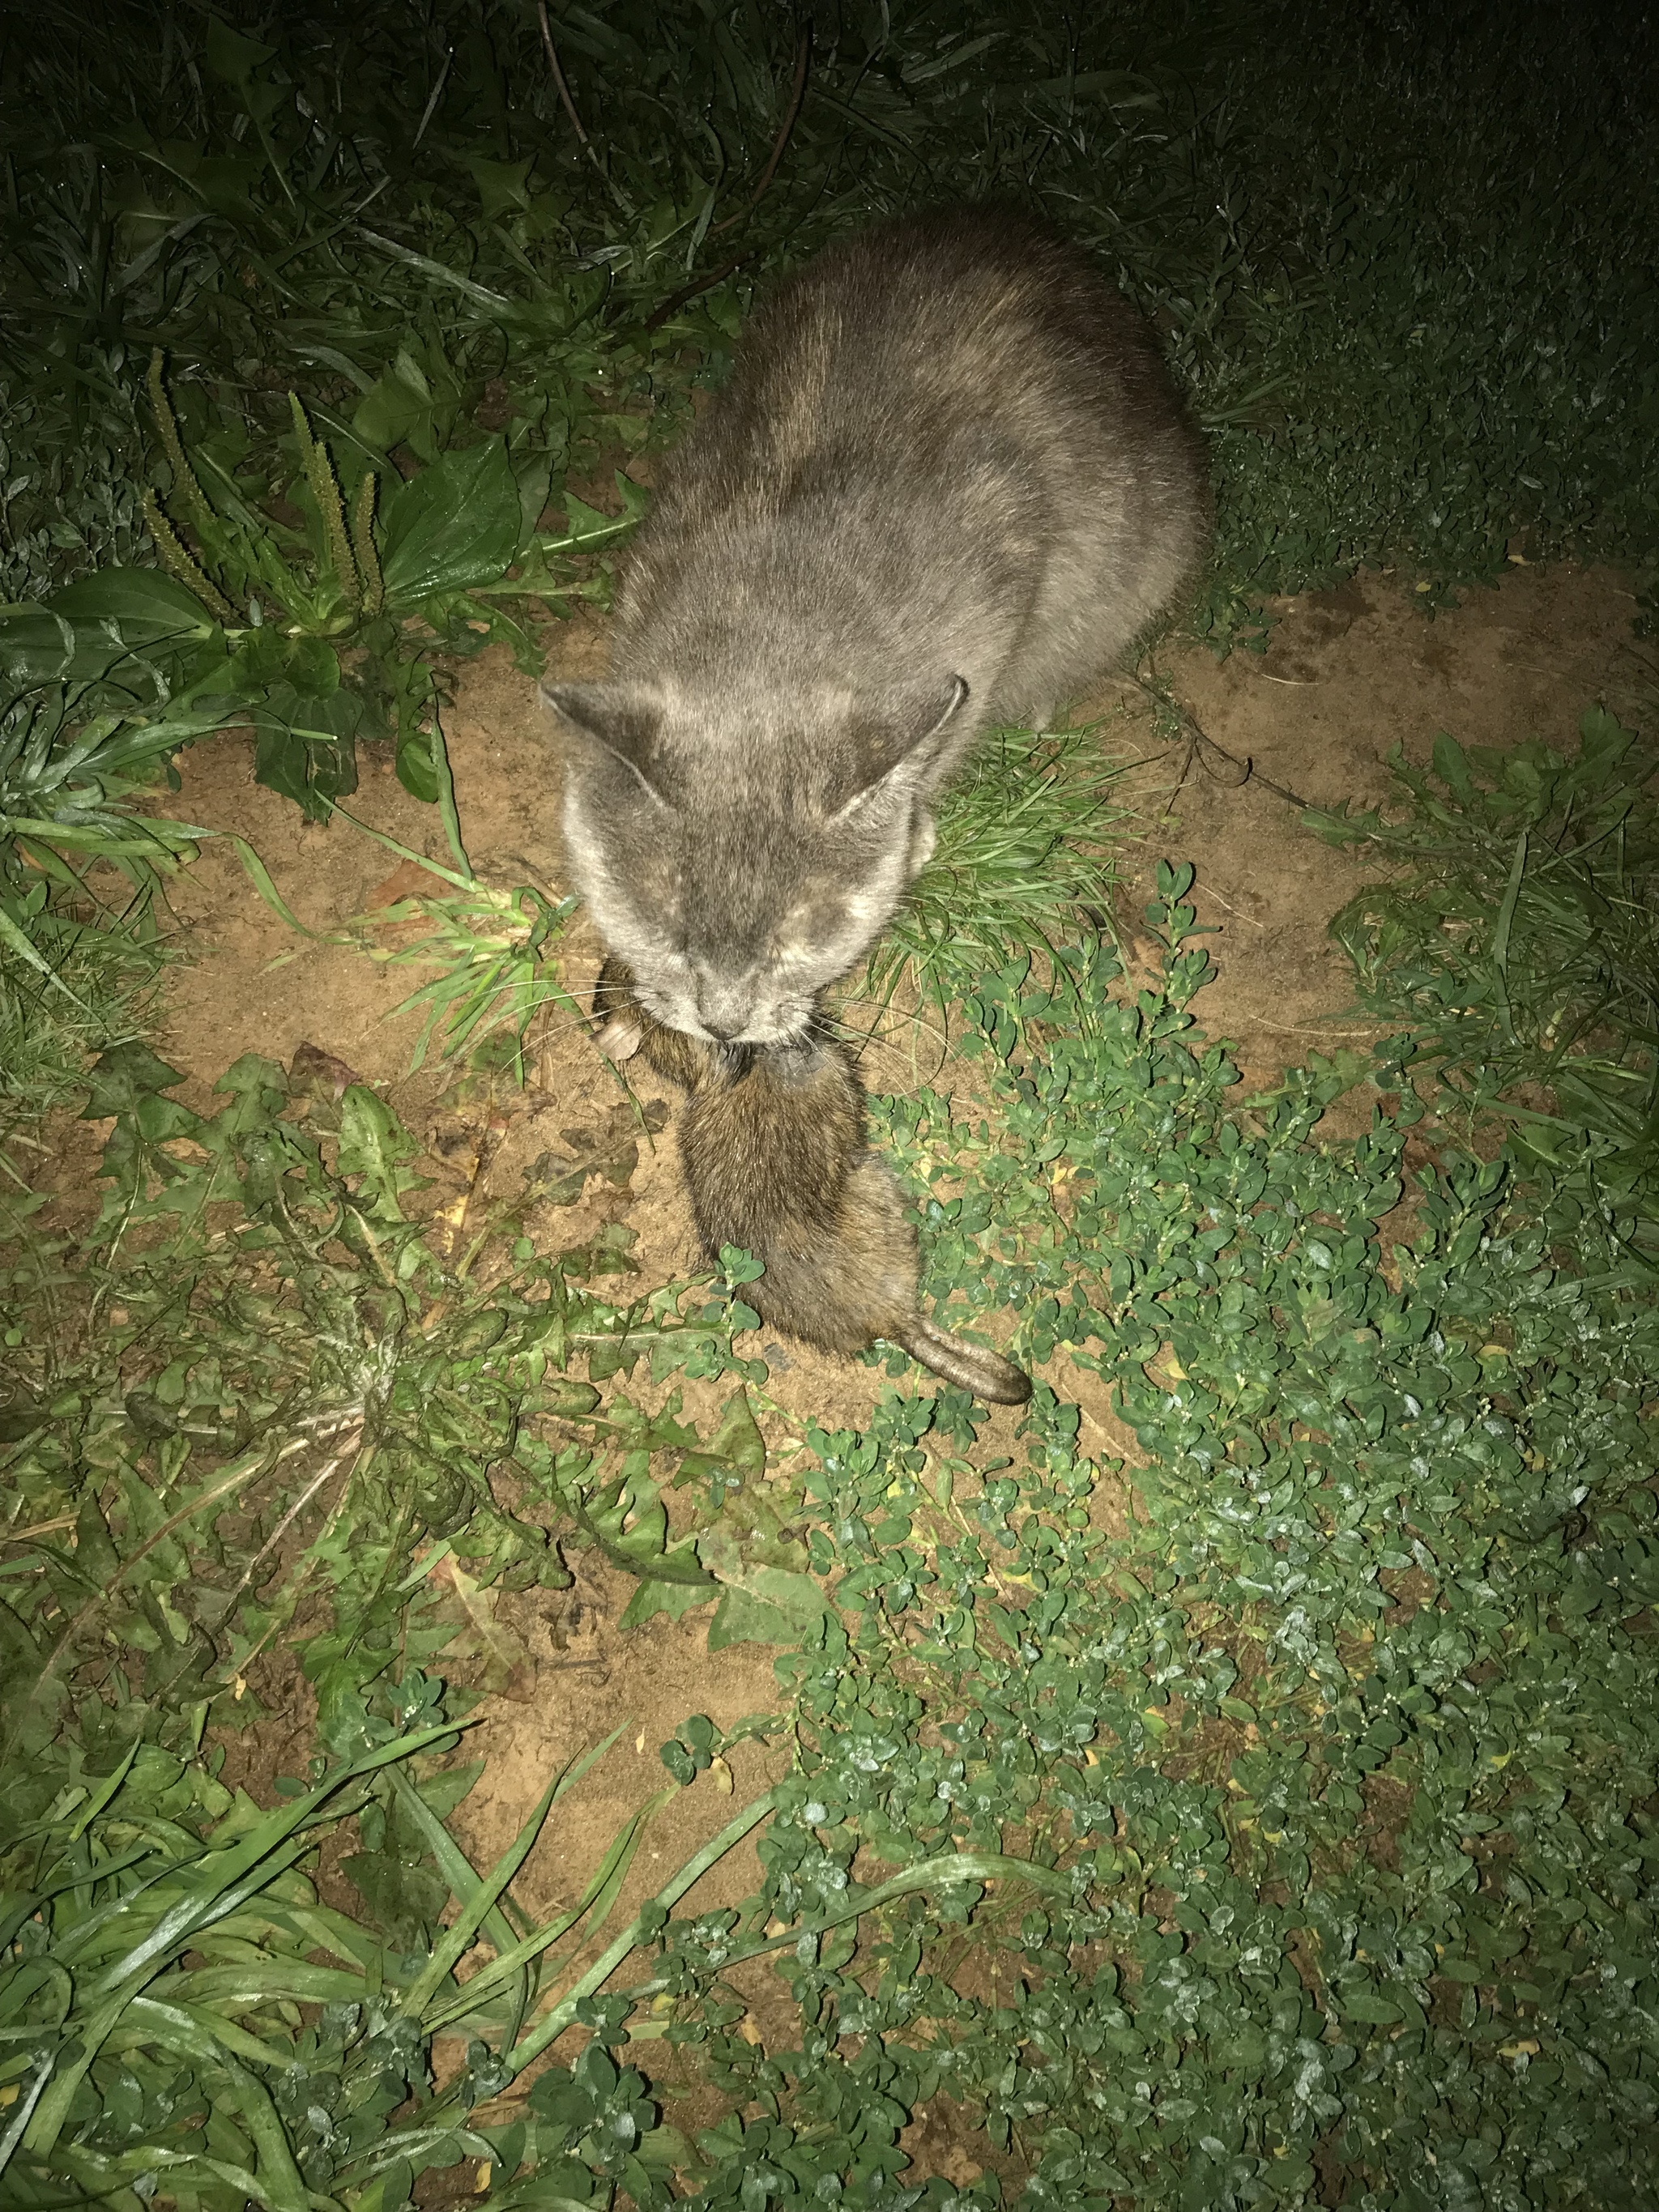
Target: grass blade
[553,2024]
[600,1897]
[447,805]
[478,1901]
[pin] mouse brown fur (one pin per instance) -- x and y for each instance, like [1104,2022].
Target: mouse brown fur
[774,1144]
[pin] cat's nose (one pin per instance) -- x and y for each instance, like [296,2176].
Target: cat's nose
[724,1009]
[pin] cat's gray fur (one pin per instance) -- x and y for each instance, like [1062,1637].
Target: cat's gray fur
[947,484]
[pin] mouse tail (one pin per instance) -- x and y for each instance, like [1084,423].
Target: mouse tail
[972,1367]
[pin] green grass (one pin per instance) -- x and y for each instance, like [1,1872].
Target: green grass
[77,967]
[173,1909]
[1024,855]
[1518,946]
[97,991]
[83,857]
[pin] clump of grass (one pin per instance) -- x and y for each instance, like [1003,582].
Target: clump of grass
[196,2003]
[495,956]
[76,974]
[1023,856]
[97,992]
[68,501]
[1521,942]
[81,860]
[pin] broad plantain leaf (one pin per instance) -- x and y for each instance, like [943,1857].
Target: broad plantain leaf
[456,525]
[307,748]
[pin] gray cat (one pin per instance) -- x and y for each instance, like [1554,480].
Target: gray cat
[946,484]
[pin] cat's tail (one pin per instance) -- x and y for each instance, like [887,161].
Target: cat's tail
[971,1367]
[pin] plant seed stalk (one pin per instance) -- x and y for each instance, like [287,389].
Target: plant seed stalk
[178,561]
[363,546]
[183,476]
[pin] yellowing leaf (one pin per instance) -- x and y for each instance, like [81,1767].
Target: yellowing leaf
[506,1668]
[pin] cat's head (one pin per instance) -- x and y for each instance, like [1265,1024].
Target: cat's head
[740,856]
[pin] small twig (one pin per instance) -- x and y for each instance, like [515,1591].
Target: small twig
[38,1528]
[1212,892]
[672,305]
[570,105]
[1200,743]
[803,58]
[1317,1028]
[558,79]
[432,98]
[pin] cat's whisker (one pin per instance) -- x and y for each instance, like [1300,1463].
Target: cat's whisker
[887,1033]
[545,1030]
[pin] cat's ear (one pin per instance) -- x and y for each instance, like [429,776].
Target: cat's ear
[901,736]
[624,718]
